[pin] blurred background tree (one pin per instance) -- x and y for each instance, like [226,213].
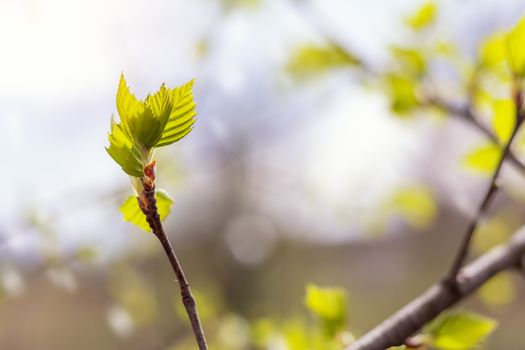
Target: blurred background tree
[324,153]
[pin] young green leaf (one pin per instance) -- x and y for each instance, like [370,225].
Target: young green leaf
[311,60]
[499,290]
[131,211]
[164,117]
[147,127]
[483,159]
[411,59]
[128,106]
[329,304]
[415,204]
[423,17]
[459,330]
[402,90]
[401,347]
[182,116]
[493,51]
[516,49]
[504,119]
[124,151]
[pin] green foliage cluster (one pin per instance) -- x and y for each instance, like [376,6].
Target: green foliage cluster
[453,330]
[164,117]
[487,85]
[312,60]
[168,115]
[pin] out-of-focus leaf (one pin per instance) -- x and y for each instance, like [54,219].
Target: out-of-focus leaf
[416,205]
[499,290]
[131,211]
[445,48]
[297,336]
[262,332]
[494,231]
[422,17]
[492,51]
[182,116]
[412,59]
[401,347]
[402,92]
[504,119]
[459,330]
[329,304]
[483,159]
[516,49]
[311,60]
[86,254]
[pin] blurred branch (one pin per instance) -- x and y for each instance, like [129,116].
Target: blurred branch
[464,247]
[465,113]
[148,205]
[408,320]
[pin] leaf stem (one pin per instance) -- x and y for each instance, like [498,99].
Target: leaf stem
[153,218]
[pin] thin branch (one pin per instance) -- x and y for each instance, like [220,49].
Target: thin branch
[148,204]
[464,247]
[465,113]
[411,318]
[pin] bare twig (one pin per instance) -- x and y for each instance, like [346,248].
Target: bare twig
[404,323]
[466,114]
[148,204]
[463,250]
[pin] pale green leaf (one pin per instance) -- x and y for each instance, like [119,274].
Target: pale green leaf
[411,58]
[402,90]
[132,213]
[459,330]
[329,304]
[516,48]
[401,347]
[493,51]
[311,60]
[504,119]
[483,159]
[124,151]
[416,205]
[499,290]
[494,231]
[182,115]
[146,128]
[128,106]
[145,121]
[423,17]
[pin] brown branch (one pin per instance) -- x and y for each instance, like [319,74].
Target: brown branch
[464,246]
[148,204]
[411,318]
[466,114]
